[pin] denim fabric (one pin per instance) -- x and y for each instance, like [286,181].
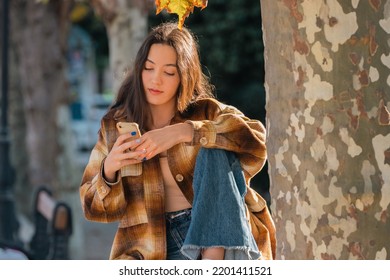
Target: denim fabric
[177,224]
[218,210]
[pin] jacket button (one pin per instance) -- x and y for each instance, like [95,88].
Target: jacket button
[203,141]
[179,178]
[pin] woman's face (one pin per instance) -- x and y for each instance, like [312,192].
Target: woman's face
[160,76]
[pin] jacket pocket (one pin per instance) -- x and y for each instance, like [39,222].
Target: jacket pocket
[131,170]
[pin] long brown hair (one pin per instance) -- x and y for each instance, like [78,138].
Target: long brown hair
[194,84]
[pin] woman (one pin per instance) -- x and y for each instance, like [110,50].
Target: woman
[171,100]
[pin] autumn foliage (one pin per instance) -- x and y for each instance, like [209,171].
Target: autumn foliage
[182,8]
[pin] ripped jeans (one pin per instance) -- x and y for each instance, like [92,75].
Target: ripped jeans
[218,217]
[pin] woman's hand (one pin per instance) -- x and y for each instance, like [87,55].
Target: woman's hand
[159,140]
[121,155]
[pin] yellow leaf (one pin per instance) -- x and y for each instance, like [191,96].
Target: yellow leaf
[79,12]
[182,8]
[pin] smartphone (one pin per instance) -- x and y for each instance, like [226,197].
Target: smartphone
[129,127]
[133,129]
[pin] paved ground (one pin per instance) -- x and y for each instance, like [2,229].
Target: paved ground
[91,240]
[98,240]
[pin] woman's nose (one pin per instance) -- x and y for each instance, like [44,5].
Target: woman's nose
[156,77]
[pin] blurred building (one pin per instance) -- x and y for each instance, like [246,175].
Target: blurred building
[88,104]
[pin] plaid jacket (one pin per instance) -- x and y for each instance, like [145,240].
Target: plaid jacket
[137,202]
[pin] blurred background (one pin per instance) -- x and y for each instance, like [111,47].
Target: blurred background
[62,62]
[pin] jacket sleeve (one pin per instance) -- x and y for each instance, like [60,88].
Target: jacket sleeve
[229,129]
[101,201]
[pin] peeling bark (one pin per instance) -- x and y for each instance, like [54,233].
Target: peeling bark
[327,83]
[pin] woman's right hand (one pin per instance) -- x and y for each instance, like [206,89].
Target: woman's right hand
[120,155]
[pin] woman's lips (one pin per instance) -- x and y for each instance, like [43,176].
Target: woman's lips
[154,91]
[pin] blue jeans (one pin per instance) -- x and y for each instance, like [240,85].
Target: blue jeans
[177,224]
[218,209]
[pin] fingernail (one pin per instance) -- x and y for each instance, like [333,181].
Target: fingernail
[133,133]
[144,159]
[138,141]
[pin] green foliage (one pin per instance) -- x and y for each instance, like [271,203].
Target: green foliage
[96,29]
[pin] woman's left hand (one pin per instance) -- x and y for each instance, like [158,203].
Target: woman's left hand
[159,140]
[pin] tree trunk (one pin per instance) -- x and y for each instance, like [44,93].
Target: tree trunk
[126,24]
[328,100]
[17,128]
[39,33]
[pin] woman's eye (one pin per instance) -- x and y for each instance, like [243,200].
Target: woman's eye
[148,68]
[170,74]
